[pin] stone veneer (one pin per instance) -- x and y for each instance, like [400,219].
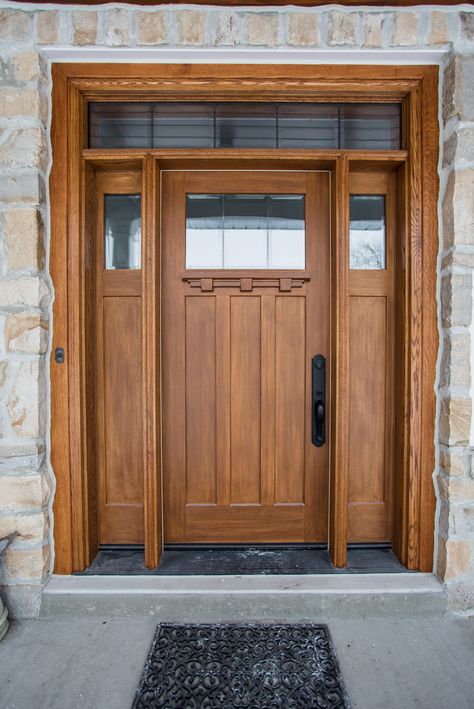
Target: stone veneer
[26,292]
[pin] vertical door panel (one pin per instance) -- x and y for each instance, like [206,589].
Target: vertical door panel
[290,404]
[245,400]
[201,400]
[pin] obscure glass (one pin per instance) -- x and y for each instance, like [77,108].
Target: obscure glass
[120,125]
[308,125]
[183,125]
[239,231]
[367,232]
[370,126]
[246,125]
[122,231]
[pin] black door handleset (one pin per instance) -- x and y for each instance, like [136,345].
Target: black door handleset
[318,402]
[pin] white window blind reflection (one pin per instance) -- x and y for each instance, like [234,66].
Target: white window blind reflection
[122,231]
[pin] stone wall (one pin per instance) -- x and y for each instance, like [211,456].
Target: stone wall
[26,482]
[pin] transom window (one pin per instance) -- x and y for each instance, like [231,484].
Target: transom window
[349,126]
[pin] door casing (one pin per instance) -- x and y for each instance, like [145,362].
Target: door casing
[73,455]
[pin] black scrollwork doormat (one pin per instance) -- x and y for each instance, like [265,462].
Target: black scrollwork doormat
[247,666]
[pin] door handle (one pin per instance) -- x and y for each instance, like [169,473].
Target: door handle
[318,404]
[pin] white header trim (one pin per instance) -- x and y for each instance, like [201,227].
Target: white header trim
[211,55]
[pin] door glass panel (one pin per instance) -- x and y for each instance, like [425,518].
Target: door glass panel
[238,231]
[367,232]
[122,231]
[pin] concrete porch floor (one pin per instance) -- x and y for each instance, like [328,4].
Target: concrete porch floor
[95,663]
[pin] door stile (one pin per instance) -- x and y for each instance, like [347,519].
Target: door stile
[339,437]
[223,408]
[268,422]
[151,370]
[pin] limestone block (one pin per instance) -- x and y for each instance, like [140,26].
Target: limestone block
[464,147]
[23,103]
[372,25]
[31,291]
[151,27]
[458,88]
[117,28]
[456,299]
[458,209]
[24,147]
[25,563]
[22,188]
[191,26]
[22,600]
[342,27]
[455,362]
[455,420]
[439,31]
[47,27]
[27,65]
[262,28]
[4,368]
[454,463]
[454,558]
[27,333]
[405,29]
[467,25]
[15,26]
[27,527]
[23,235]
[23,493]
[26,403]
[226,31]
[22,456]
[84,27]
[302,29]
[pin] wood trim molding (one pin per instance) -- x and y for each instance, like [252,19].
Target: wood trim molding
[73,86]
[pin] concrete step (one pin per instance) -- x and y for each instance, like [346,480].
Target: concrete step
[245,598]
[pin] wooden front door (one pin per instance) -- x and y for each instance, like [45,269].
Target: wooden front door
[245,307]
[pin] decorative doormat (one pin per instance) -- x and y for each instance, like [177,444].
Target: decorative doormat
[256,666]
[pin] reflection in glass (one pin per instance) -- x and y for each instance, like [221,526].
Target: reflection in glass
[183,125]
[120,125]
[122,231]
[367,232]
[308,125]
[239,231]
[245,125]
[370,126]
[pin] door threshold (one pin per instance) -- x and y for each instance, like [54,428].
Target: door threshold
[251,598]
[224,560]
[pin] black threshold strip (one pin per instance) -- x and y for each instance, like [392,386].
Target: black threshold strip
[226,560]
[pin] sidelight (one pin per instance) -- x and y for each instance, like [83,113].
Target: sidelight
[367,232]
[122,246]
[245,231]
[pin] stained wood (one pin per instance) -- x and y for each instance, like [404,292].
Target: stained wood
[119,370]
[238,463]
[371,380]
[415,86]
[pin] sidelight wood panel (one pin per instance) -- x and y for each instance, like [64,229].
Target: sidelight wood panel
[371,381]
[238,462]
[119,372]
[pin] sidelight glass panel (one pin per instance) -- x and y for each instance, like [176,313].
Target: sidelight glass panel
[122,231]
[367,232]
[239,231]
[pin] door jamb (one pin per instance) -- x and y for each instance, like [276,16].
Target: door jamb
[71,452]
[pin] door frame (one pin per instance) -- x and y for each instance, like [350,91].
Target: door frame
[71,268]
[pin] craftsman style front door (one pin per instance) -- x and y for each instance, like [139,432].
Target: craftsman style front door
[245,314]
